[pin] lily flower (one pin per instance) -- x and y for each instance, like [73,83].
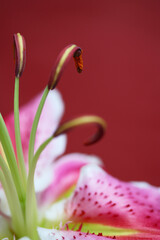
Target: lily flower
[46,196]
[31,139]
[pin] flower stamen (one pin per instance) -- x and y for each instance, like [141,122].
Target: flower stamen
[63,58]
[99,122]
[35,125]
[2,153]
[20,50]
[11,158]
[20,53]
[12,197]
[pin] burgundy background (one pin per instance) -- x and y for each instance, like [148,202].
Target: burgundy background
[121,78]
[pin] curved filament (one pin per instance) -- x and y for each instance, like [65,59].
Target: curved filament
[76,122]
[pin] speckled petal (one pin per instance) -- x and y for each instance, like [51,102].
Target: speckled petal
[141,236]
[101,198]
[53,234]
[65,174]
[51,115]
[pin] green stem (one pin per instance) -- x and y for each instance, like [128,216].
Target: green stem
[37,154]
[31,212]
[17,133]
[11,158]
[12,198]
[31,209]
[35,125]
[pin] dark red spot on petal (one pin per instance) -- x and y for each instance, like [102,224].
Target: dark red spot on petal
[151,210]
[127,206]
[82,199]
[130,210]
[109,202]
[121,195]
[100,234]
[82,213]
[114,204]
[74,212]
[115,215]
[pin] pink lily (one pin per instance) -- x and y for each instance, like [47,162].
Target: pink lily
[102,206]
[30,187]
[72,197]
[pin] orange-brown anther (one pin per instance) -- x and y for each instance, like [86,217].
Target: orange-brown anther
[78,60]
[61,62]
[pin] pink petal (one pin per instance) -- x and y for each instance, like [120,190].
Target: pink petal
[53,234]
[142,236]
[49,121]
[100,198]
[65,173]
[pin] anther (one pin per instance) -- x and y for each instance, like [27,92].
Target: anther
[61,62]
[20,53]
